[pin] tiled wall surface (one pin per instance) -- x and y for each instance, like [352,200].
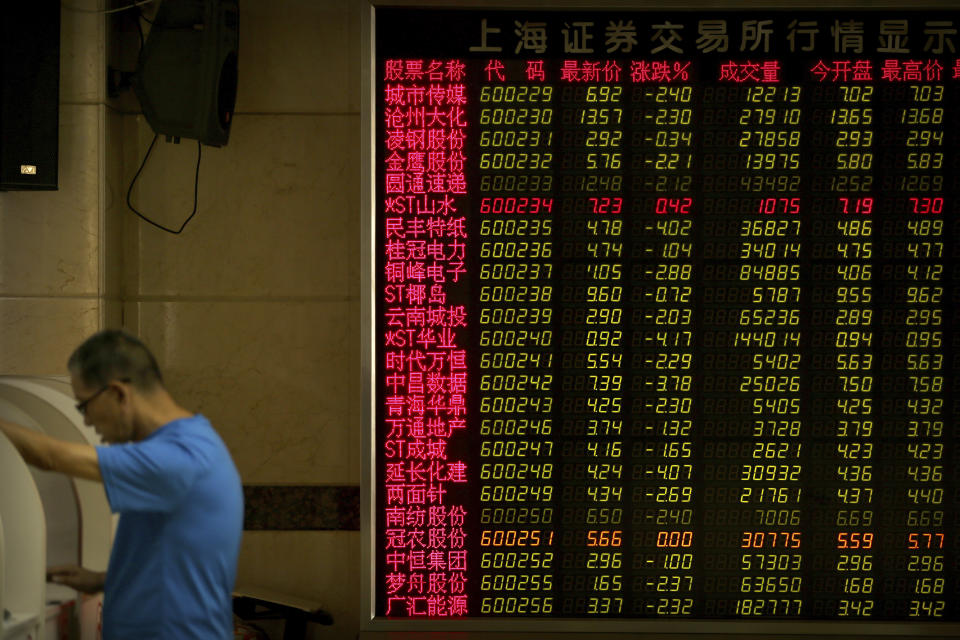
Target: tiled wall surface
[254,309]
[54,282]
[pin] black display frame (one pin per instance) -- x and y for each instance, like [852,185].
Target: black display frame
[369,290]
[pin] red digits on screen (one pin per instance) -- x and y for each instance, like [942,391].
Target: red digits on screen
[856,206]
[854,540]
[671,206]
[925,541]
[770,540]
[604,538]
[531,205]
[927,206]
[606,205]
[425,362]
[779,205]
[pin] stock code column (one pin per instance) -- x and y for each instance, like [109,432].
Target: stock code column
[515,339]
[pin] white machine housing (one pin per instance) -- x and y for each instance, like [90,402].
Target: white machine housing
[48,519]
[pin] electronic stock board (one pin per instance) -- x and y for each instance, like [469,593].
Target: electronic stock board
[662,318]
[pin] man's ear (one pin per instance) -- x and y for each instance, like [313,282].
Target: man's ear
[122,389]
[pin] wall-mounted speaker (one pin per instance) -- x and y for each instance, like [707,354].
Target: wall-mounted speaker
[29,94]
[186,78]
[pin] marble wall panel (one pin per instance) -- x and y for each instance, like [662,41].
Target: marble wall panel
[273,377]
[37,335]
[354,373]
[295,56]
[82,58]
[320,565]
[287,507]
[113,204]
[276,213]
[355,60]
[131,150]
[49,240]
[253,311]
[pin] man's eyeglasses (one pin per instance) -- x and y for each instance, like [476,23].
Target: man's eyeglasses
[82,406]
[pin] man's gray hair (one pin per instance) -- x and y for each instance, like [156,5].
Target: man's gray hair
[115,355]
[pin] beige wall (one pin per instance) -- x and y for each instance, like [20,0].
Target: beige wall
[59,279]
[253,310]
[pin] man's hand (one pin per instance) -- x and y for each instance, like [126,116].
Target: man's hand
[78,578]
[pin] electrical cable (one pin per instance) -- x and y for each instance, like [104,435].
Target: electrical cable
[139,3]
[145,19]
[196,183]
[140,27]
[196,175]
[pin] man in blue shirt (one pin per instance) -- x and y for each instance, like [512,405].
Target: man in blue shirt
[170,477]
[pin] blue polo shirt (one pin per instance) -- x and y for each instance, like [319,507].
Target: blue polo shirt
[174,557]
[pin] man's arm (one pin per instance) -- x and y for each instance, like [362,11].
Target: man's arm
[50,454]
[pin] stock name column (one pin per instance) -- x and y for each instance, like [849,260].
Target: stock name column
[516,291]
[592,337]
[424,366]
[664,220]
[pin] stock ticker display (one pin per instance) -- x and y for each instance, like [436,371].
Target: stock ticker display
[665,320]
